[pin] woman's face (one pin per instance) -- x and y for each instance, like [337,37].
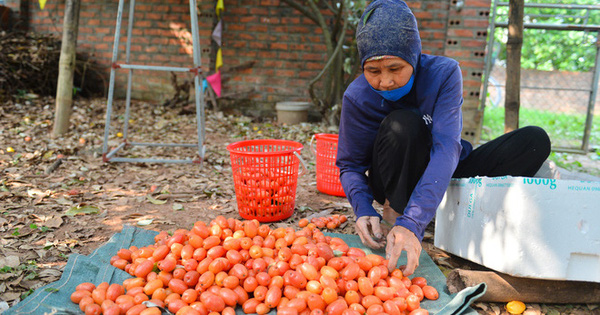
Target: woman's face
[387,74]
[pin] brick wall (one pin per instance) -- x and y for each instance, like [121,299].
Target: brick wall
[466,41]
[284,48]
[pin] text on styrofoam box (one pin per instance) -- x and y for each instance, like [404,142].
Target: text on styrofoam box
[504,185]
[470,206]
[550,182]
[584,188]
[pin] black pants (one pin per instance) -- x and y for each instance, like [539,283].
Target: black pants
[403,144]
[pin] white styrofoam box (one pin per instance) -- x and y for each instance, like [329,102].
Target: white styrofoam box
[523,226]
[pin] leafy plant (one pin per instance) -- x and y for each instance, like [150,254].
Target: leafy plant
[337,19]
[565,130]
[552,49]
[6,269]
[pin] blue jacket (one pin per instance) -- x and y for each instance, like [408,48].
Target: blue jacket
[437,95]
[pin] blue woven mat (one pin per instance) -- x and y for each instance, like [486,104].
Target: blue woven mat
[54,298]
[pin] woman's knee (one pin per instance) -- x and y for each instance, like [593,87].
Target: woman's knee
[539,138]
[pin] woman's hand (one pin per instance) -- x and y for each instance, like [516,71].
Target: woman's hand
[402,239]
[369,230]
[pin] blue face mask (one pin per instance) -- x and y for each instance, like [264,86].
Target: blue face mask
[396,94]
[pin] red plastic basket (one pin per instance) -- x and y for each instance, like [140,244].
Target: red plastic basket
[265,175]
[328,174]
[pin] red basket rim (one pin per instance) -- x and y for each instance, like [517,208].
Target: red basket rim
[233,147]
[327,136]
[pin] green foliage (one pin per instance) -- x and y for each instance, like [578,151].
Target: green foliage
[565,130]
[551,49]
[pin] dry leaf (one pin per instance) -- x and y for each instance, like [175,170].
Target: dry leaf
[82,210]
[144,222]
[54,222]
[63,201]
[9,261]
[155,201]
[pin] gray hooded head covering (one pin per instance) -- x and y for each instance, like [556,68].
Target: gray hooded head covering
[388,27]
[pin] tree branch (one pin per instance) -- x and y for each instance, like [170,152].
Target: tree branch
[331,60]
[298,6]
[322,24]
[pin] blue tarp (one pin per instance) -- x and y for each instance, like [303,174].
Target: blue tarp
[54,298]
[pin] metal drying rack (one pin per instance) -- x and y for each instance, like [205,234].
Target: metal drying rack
[199,97]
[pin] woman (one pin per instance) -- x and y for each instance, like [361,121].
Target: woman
[400,134]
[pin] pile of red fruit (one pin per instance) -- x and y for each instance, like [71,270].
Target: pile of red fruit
[330,222]
[214,268]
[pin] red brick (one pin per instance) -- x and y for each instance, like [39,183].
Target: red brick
[152,32]
[287,20]
[314,57]
[479,24]
[154,16]
[265,37]
[160,41]
[265,54]
[471,83]
[478,3]
[313,65]
[457,53]
[142,24]
[281,46]
[436,5]
[184,60]
[235,10]
[468,13]
[235,27]
[269,2]
[423,15]
[473,43]
[247,37]
[273,63]
[258,11]
[425,34]
[432,24]
[179,9]
[102,46]
[248,19]
[257,45]
[289,55]
[278,29]
[414,5]
[257,28]
[136,48]
[238,45]
[471,64]
[84,14]
[253,79]
[86,30]
[438,35]
[299,47]
[160,58]
[102,30]
[298,29]
[248,53]
[460,33]
[270,20]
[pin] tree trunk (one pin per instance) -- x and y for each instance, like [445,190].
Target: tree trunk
[66,68]
[513,65]
[504,288]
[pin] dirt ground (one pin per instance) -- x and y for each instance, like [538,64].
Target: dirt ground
[58,197]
